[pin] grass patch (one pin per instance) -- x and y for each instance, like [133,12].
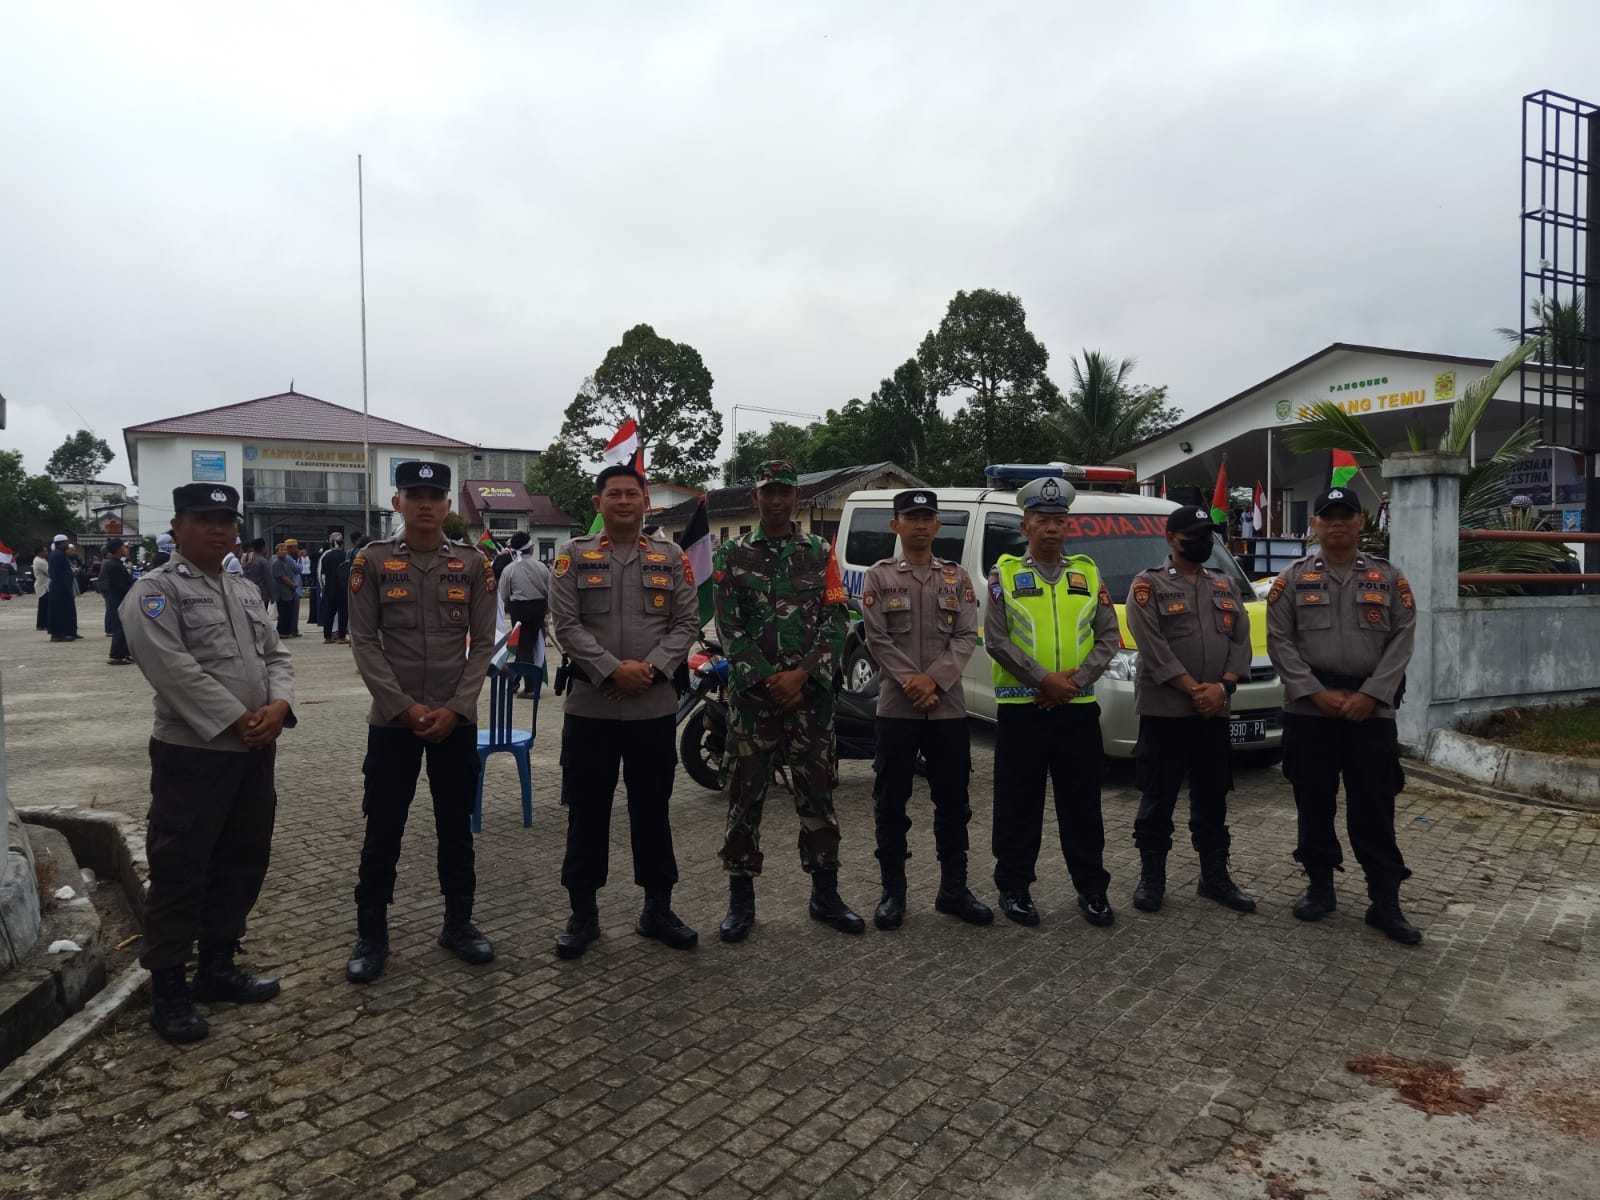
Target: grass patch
[1564,729]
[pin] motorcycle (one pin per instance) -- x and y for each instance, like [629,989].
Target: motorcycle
[703,713]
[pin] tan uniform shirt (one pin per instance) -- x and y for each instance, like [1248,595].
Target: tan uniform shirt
[208,647]
[610,602]
[1185,625]
[411,612]
[997,632]
[919,619]
[1358,622]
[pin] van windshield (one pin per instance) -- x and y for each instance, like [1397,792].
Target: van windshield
[1121,544]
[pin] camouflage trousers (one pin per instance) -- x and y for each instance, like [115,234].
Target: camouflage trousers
[760,740]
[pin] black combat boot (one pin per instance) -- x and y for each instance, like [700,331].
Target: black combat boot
[217,979]
[657,920]
[583,927]
[172,1013]
[1216,884]
[827,907]
[741,908]
[372,944]
[891,910]
[1384,914]
[1319,899]
[1152,889]
[955,898]
[460,936]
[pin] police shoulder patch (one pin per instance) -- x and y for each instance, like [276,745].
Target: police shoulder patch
[688,569]
[153,606]
[1141,593]
[996,591]
[562,565]
[1276,590]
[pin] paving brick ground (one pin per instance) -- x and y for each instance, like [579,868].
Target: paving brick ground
[939,1061]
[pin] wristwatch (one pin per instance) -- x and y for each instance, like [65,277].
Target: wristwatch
[1229,686]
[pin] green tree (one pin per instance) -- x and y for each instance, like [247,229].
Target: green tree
[665,387]
[983,347]
[1329,427]
[903,420]
[559,474]
[32,508]
[79,459]
[455,526]
[840,438]
[1561,327]
[1104,415]
[781,439]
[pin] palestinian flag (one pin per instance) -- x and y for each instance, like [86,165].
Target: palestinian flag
[1342,468]
[695,541]
[506,652]
[488,545]
[1219,498]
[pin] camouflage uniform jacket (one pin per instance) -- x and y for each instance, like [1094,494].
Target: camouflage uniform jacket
[780,605]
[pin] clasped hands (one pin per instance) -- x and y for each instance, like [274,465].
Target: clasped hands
[260,727]
[631,678]
[432,725]
[1058,688]
[1209,699]
[1344,706]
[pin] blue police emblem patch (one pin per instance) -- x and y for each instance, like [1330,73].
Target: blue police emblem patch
[1023,579]
[153,606]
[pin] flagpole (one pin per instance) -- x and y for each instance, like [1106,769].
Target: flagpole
[1268,521]
[366,446]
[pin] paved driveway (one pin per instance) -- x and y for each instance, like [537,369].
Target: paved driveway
[940,1060]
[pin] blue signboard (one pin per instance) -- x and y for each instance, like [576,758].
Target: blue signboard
[209,466]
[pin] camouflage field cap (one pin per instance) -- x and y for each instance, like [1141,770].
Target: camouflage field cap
[1047,495]
[779,471]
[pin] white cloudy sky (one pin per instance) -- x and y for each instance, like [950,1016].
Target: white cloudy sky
[796,189]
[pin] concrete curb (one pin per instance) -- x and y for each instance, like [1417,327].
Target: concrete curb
[71,1033]
[1517,774]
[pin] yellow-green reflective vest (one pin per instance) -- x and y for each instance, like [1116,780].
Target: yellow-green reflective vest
[1052,623]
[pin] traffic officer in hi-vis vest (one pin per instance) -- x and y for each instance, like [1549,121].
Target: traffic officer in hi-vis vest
[224,688]
[422,614]
[1193,634]
[921,619]
[625,612]
[1340,626]
[1051,630]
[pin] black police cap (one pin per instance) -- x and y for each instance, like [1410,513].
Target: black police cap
[916,500]
[205,497]
[1181,520]
[1337,497]
[422,475]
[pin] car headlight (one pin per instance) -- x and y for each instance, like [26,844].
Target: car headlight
[1123,665]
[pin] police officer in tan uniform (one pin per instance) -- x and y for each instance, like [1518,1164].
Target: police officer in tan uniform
[1340,627]
[417,603]
[921,620]
[625,612]
[224,689]
[1193,634]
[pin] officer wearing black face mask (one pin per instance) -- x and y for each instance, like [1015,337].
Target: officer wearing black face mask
[1193,635]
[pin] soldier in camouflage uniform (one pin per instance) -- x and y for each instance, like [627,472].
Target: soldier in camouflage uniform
[782,616]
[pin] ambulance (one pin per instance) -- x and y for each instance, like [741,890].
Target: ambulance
[1123,533]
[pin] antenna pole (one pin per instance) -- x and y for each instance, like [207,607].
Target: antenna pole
[366,448]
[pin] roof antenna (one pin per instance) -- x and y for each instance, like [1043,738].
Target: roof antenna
[291,385]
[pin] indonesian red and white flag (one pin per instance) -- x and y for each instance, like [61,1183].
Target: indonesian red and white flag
[7,554]
[622,447]
[1256,511]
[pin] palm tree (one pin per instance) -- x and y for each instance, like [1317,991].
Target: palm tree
[1102,415]
[1562,326]
[1329,427]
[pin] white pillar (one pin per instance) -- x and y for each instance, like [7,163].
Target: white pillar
[1425,543]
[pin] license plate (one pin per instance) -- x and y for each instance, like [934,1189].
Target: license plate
[1240,732]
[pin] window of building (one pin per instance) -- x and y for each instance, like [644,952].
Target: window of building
[263,486]
[743,529]
[724,535]
[547,549]
[511,523]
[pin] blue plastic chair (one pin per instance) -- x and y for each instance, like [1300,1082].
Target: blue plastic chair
[502,735]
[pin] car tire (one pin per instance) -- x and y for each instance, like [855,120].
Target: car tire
[859,669]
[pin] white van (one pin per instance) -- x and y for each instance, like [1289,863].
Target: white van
[1124,535]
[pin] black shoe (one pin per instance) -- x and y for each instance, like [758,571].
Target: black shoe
[741,909]
[1096,908]
[1018,906]
[1152,889]
[1319,899]
[1216,884]
[957,900]
[216,979]
[1384,914]
[658,921]
[172,1013]
[582,931]
[372,944]
[827,907]
[891,910]
[460,936]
